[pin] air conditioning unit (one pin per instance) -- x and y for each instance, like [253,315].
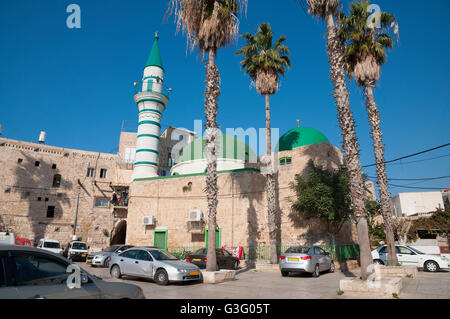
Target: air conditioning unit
[195,215]
[148,220]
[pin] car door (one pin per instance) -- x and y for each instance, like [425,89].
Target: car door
[127,262]
[7,289]
[319,258]
[228,259]
[382,253]
[220,259]
[41,276]
[144,264]
[406,256]
[325,260]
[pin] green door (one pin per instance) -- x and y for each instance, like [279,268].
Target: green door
[218,238]
[160,239]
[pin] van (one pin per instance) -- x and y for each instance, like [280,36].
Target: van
[7,238]
[76,251]
[50,245]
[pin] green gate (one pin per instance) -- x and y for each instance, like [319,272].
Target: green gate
[218,238]
[160,239]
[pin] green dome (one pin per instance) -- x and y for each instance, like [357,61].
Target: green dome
[300,136]
[228,147]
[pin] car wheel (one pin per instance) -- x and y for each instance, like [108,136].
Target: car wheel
[107,262]
[284,273]
[236,265]
[378,262]
[332,268]
[115,272]
[431,266]
[161,277]
[316,272]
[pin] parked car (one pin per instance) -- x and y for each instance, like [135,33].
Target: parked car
[50,245]
[76,251]
[307,259]
[23,241]
[7,238]
[32,273]
[406,255]
[225,260]
[103,257]
[153,263]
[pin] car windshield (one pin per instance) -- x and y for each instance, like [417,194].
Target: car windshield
[111,248]
[162,255]
[201,251]
[416,251]
[49,244]
[79,246]
[298,250]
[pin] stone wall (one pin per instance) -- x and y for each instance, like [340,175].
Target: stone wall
[28,189]
[241,212]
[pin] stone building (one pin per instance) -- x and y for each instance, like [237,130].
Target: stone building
[151,191]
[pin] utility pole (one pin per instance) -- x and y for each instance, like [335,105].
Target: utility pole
[76,213]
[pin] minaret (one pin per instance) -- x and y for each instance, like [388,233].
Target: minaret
[151,102]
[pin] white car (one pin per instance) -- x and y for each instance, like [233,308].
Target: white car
[50,245]
[407,255]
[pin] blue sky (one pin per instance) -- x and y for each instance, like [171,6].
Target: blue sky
[77,84]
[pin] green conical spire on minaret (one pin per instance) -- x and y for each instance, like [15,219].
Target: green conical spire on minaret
[155,56]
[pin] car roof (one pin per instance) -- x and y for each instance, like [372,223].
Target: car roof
[50,240]
[29,249]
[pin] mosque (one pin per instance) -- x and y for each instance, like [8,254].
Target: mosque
[169,211]
[162,175]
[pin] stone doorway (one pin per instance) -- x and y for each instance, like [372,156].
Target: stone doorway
[119,233]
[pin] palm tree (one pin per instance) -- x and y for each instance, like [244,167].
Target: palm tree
[326,10]
[364,54]
[210,25]
[264,62]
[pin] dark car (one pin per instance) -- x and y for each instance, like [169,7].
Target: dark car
[33,273]
[225,260]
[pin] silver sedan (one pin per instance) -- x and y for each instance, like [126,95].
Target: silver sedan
[307,259]
[153,263]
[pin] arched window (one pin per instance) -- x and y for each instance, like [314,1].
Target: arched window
[56,180]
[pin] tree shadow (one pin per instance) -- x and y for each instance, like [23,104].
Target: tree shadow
[42,186]
[242,184]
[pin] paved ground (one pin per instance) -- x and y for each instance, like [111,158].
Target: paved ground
[257,284]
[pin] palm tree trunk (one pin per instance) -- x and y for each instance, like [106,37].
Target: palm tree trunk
[350,144]
[378,150]
[270,187]
[211,97]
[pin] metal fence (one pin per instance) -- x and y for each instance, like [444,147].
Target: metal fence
[337,252]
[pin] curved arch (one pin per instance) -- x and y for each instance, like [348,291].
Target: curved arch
[119,233]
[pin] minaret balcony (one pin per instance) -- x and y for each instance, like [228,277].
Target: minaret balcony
[153,95]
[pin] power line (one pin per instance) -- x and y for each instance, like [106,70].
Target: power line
[410,155]
[422,160]
[414,179]
[416,187]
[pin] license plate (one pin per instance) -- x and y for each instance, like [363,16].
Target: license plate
[293,259]
[83,255]
[196,259]
[193,273]
[88,260]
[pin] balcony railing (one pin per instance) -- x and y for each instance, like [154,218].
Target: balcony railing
[153,87]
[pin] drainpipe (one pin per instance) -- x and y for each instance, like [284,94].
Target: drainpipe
[232,210]
[76,212]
